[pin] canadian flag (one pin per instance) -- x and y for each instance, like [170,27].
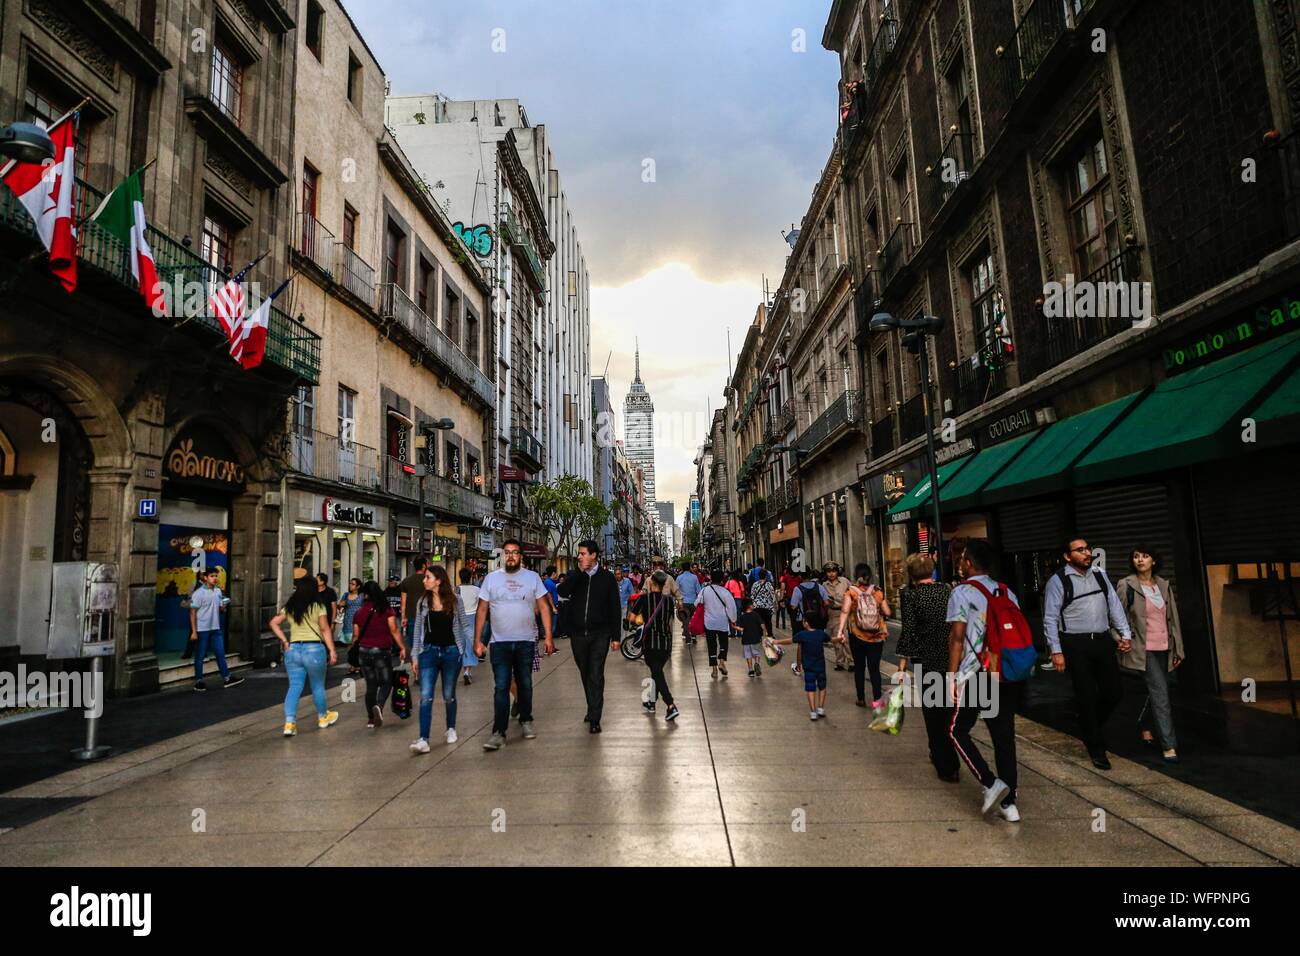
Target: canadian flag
[48,194]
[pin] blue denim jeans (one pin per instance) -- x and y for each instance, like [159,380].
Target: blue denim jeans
[435,661]
[511,658]
[305,660]
[215,642]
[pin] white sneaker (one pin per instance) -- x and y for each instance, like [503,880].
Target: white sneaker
[421,746]
[993,795]
[812,715]
[1010,813]
[451,735]
[821,711]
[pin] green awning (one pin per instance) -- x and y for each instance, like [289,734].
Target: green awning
[1046,465]
[908,507]
[1277,418]
[961,492]
[1197,416]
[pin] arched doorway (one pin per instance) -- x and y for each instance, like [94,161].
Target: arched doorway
[45,461]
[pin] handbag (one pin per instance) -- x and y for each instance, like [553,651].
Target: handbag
[402,693]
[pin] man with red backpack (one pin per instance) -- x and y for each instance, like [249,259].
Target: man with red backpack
[990,643]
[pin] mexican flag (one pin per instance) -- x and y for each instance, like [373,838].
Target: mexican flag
[121,215]
[47,193]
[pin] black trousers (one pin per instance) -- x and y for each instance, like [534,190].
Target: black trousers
[942,754]
[1093,667]
[1002,730]
[377,667]
[866,656]
[765,614]
[589,653]
[657,660]
[717,641]
[780,612]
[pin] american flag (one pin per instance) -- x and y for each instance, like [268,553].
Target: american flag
[230,305]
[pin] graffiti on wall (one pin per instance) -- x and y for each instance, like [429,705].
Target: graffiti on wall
[477,239]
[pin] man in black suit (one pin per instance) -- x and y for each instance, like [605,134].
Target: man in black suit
[593,620]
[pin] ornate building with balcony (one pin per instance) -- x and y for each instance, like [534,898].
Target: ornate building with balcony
[404,307]
[1010,166]
[131,438]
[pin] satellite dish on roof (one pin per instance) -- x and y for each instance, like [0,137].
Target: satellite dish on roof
[791,237]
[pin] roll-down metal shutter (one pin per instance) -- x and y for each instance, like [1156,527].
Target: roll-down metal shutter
[1031,526]
[1118,517]
[1249,509]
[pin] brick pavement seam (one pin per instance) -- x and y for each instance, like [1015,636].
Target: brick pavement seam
[713,764]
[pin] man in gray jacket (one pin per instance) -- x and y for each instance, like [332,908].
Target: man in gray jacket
[1080,608]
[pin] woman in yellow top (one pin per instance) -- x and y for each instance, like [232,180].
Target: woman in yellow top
[306,650]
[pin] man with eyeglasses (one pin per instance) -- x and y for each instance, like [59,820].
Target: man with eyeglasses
[1080,609]
[513,596]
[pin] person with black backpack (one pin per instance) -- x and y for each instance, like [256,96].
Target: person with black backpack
[809,604]
[1080,608]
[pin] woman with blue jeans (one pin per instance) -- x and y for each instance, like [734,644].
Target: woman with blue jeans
[308,650]
[441,631]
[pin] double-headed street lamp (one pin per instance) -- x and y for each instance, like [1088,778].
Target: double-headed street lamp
[917,331]
[421,469]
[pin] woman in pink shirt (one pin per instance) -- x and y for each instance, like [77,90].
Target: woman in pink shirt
[1152,612]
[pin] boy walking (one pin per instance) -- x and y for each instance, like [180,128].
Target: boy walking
[812,646]
[206,604]
[749,625]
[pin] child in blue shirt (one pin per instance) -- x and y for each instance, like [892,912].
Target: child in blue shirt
[811,644]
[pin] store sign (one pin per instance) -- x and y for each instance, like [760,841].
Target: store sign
[453,463]
[1010,425]
[953,450]
[492,523]
[534,551]
[486,541]
[201,456]
[1271,319]
[507,473]
[893,485]
[338,512]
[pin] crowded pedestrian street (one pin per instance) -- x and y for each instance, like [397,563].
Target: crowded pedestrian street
[741,778]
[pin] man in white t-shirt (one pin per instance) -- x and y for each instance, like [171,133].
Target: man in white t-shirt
[512,597]
[968,615]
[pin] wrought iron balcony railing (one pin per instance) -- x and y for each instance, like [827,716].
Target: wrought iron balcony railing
[439,491]
[526,448]
[953,167]
[882,47]
[315,242]
[289,345]
[896,253]
[514,233]
[844,411]
[355,274]
[977,384]
[827,270]
[911,419]
[395,304]
[1041,26]
[324,456]
[1069,336]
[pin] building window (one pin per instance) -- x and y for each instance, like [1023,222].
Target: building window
[347,416]
[982,293]
[217,245]
[227,81]
[882,394]
[472,337]
[959,95]
[315,27]
[424,286]
[310,188]
[901,196]
[42,107]
[354,80]
[349,227]
[394,255]
[451,315]
[1094,229]
[304,410]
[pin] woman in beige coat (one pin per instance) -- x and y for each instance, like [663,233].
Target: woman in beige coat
[1152,610]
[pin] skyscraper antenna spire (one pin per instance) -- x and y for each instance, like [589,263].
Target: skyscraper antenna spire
[637,377]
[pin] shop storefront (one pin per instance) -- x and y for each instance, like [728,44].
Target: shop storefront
[341,538]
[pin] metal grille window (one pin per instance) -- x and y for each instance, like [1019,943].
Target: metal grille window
[1094,229]
[216,246]
[227,82]
[43,109]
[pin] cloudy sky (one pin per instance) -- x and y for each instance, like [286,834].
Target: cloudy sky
[737,121]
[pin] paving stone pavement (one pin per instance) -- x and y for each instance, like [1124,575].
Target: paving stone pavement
[742,778]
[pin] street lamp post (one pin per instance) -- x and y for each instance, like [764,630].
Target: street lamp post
[918,331]
[422,469]
[26,142]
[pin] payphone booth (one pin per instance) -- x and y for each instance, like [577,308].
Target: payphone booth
[82,605]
